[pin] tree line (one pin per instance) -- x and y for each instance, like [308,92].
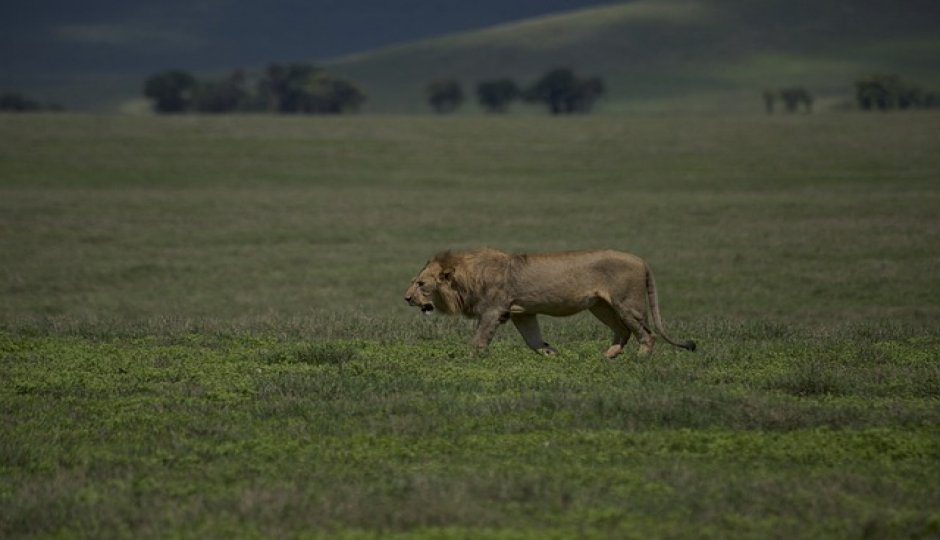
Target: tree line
[19,102]
[560,90]
[885,92]
[291,88]
[793,98]
[303,88]
[879,92]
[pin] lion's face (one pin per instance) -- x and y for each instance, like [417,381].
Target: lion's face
[423,291]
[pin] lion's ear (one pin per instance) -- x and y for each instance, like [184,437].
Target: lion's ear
[447,274]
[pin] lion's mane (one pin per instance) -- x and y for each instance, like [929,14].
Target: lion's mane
[476,280]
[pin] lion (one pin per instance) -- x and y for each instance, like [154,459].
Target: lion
[494,287]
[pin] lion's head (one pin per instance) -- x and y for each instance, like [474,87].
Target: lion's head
[425,289]
[459,283]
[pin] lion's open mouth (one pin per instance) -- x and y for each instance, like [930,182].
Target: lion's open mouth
[427,308]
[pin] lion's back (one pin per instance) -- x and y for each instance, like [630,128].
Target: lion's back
[606,261]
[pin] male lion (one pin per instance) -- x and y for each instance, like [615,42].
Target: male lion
[494,287]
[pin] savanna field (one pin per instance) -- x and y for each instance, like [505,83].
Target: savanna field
[203,331]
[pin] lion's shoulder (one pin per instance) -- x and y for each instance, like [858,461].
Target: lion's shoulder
[479,258]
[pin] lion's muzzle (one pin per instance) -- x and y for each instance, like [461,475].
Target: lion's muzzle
[426,308]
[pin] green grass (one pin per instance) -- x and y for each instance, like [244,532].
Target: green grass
[197,435]
[202,331]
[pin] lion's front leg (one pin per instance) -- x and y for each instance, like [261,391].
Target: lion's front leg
[528,326]
[487,325]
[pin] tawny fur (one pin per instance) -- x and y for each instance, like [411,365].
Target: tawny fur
[494,287]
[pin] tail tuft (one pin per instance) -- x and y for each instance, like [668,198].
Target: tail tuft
[690,345]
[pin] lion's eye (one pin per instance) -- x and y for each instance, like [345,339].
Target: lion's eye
[420,284]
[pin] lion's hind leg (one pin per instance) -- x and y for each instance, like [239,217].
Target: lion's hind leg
[607,315]
[528,326]
[634,320]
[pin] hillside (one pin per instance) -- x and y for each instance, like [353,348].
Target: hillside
[89,55]
[654,55]
[667,55]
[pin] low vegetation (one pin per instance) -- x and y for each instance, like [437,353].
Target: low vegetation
[886,92]
[293,89]
[18,102]
[203,331]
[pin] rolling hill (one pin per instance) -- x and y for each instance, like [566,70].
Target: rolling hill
[654,55]
[674,55]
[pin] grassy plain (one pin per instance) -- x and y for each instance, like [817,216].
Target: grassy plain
[202,332]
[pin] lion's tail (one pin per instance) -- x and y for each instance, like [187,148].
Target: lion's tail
[653,297]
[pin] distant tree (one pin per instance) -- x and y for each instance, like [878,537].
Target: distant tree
[908,95]
[298,77]
[303,88]
[171,91]
[885,92]
[286,86]
[587,92]
[872,93]
[495,96]
[556,89]
[17,102]
[273,87]
[226,95]
[563,93]
[328,94]
[931,99]
[294,87]
[770,100]
[794,97]
[444,95]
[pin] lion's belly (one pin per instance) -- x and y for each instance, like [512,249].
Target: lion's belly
[553,305]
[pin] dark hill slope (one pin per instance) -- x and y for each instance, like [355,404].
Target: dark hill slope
[661,55]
